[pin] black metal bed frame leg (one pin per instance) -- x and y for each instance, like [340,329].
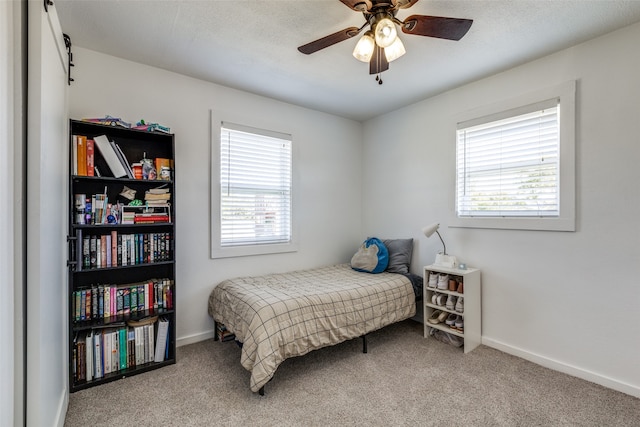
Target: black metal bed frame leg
[364,343]
[261,391]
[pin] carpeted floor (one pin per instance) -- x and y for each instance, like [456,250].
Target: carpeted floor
[404,379]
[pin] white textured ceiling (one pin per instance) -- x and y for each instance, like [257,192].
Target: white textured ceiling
[251,44]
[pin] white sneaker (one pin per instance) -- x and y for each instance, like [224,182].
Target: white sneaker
[460,305]
[443,281]
[451,302]
[433,280]
[441,300]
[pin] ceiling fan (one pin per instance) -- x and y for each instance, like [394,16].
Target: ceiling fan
[380,44]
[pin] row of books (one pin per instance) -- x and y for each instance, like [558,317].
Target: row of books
[97,353]
[223,334]
[121,249]
[83,153]
[114,302]
[84,160]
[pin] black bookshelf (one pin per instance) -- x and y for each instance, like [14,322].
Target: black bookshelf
[135,282]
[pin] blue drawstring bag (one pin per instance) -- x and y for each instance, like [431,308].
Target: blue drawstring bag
[372,256]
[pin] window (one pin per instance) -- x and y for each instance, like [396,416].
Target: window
[515,168]
[255,175]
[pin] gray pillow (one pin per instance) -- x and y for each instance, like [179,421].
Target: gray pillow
[400,251]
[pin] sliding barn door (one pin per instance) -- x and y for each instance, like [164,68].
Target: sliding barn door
[47,186]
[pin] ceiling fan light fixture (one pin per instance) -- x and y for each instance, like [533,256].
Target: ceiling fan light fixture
[385,32]
[395,50]
[364,48]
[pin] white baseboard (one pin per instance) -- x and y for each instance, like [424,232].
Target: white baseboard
[564,368]
[62,409]
[194,338]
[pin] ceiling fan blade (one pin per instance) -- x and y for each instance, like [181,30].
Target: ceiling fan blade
[329,40]
[436,26]
[378,62]
[358,5]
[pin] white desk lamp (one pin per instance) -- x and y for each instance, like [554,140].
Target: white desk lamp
[442,259]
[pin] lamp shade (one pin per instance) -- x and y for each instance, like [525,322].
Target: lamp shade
[386,32]
[395,50]
[364,48]
[430,229]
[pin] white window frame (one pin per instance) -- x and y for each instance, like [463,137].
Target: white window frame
[565,221]
[217,249]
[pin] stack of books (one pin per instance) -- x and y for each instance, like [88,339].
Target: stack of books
[223,333]
[148,214]
[157,196]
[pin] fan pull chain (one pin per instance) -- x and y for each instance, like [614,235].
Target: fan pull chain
[379,79]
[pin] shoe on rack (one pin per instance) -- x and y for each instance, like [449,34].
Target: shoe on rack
[459,323]
[441,300]
[437,316]
[433,280]
[460,305]
[434,298]
[451,319]
[451,302]
[460,287]
[443,281]
[434,317]
[453,285]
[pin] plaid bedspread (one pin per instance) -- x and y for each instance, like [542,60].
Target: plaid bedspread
[279,316]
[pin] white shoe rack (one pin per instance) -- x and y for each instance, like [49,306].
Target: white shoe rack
[472,314]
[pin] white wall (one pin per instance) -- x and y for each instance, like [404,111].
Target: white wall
[565,300]
[8,377]
[328,150]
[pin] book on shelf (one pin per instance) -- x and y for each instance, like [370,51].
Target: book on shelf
[81,159]
[74,154]
[90,159]
[97,357]
[164,197]
[161,340]
[110,156]
[89,365]
[124,160]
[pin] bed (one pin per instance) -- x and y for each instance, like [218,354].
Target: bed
[279,316]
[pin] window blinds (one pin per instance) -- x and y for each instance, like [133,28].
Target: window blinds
[255,181]
[509,166]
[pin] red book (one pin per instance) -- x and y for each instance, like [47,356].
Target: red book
[90,157]
[150,219]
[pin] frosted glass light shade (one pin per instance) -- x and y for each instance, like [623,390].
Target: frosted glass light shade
[386,32]
[395,50]
[364,48]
